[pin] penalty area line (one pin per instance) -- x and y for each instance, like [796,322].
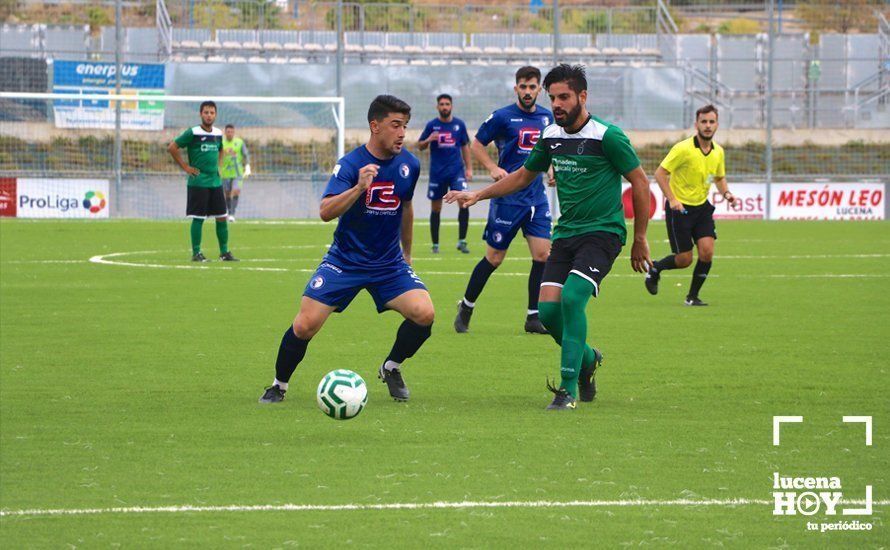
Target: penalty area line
[441,505]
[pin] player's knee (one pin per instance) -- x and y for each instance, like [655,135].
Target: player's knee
[495,258]
[683,260]
[541,256]
[706,254]
[436,206]
[305,328]
[422,314]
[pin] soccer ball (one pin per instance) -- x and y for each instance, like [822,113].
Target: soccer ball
[342,394]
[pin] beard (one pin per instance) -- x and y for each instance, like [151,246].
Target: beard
[444,114]
[571,117]
[702,137]
[527,103]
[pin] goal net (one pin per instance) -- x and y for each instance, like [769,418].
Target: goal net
[59,138]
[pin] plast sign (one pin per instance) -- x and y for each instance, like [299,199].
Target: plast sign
[61,198]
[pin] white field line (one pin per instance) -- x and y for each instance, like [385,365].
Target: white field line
[459,505]
[110,259]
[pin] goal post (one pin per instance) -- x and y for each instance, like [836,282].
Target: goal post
[293,142]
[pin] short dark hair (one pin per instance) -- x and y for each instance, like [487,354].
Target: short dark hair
[573,75]
[527,73]
[383,105]
[207,104]
[709,108]
[444,96]
[232,126]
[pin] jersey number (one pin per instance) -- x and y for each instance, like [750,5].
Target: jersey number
[381,196]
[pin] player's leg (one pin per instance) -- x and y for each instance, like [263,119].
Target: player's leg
[435,222]
[537,233]
[582,263]
[404,292]
[236,195]
[292,349]
[504,222]
[463,216]
[217,209]
[196,209]
[679,230]
[227,189]
[493,258]
[704,232]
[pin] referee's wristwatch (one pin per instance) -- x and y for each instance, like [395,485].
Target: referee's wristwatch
[727,193]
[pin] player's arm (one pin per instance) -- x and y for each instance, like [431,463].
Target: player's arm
[333,206]
[426,138]
[245,156]
[723,187]
[407,235]
[639,252]
[468,161]
[520,179]
[221,160]
[480,153]
[663,177]
[174,151]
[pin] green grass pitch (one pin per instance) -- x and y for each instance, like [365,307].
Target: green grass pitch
[132,386]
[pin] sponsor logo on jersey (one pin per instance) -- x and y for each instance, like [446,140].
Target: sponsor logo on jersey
[528,137]
[381,195]
[446,139]
[316,282]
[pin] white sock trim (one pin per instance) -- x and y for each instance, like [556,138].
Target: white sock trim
[391,365]
[469,304]
[532,312]
[280,384]
[552,284]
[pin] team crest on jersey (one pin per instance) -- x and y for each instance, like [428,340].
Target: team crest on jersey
[527,138]
[457,128]
[497,236]
[316,282]
[545,120]
[381,195]
[404,170]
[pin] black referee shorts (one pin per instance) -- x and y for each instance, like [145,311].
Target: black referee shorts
[206,202]
[686,229]
[589,256]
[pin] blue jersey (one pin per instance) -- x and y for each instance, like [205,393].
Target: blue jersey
[368,234]
[515,133]
[446,161]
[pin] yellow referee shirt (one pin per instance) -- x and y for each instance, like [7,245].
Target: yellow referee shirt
[693,172]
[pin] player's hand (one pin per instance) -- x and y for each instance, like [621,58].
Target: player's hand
[434,137]
[468,174]
[731,199]
[192,171]
[677,205]
[639,256]
[366,175]
[464,199]
[407,257]
[551,178]
[498,174]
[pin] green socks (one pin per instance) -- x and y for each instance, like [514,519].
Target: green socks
[222,235]
[196,230]
[567,322]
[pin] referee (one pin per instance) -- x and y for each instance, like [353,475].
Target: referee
[685,176]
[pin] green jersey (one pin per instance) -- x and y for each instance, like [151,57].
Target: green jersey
[588,166]
[203,150]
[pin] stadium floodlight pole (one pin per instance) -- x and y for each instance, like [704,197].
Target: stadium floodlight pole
[769,107]
[118,145]
[556,33]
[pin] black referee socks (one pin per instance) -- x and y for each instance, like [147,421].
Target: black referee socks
[699,274]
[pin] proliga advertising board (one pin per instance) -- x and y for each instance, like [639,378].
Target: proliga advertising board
[141,81]
[61,198]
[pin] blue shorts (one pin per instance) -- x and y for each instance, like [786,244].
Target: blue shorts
[440,185]
[505,221]
[337,287]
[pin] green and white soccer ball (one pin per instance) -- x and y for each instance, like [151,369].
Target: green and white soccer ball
[342,394]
